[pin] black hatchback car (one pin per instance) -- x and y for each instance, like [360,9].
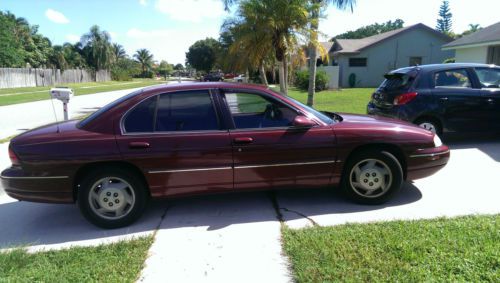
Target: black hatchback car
[442,98]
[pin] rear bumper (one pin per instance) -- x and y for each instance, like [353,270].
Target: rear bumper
[397,112]
[425,162]
[49,189]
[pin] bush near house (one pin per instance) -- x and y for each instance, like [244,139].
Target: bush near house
[302,80]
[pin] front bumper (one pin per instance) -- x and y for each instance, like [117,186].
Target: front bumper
[49,189]
[425,162]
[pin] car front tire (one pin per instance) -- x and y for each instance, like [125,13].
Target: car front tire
[372,177]
[112,197]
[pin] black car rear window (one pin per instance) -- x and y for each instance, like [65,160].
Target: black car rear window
[397,81]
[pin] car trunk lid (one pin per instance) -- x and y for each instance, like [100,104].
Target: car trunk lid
[396,83]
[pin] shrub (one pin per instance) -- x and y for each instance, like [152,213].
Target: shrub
[352,80]
[449,60]
[302,80]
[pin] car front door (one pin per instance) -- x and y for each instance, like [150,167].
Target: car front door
[489,81]
[461,106]
[179,142]
[269,152]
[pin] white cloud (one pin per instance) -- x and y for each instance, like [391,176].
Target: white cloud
[167,44]
[143,2]
[56,17]
[72,38]
[191,10]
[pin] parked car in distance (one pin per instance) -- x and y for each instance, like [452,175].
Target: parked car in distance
[188,139]
[240,79]
[229,76]
[442,98]
[213,77]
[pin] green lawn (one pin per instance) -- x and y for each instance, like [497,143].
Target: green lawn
[464,249]
[350,100]
[27,94]
[119,262]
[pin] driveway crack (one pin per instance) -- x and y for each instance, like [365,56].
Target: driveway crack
[300,214]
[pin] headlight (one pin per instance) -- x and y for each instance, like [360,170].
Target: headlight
[437,141]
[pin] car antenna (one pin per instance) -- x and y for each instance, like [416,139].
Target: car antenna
[54,110]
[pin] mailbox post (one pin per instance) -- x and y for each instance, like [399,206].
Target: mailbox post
[63,94]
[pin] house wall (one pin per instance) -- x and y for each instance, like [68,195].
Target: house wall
[392,54]
[333,75]
[472,55]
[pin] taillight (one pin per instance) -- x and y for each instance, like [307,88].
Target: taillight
[13,157]
[404,98]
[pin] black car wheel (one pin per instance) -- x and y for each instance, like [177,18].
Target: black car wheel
[429,124]
[372,177]
[112,198]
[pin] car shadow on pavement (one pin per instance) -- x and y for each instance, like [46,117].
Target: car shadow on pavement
[33,224]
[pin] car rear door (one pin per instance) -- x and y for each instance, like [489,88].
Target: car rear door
[489,81]
[268,152]
[460,105]
[180,143]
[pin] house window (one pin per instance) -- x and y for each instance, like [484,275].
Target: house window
[357,62]
[494,55]
[415,61]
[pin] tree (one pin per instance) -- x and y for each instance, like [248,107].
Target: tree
[316,6]
[179,67]
[97,49]
[203,54]
[11,51]
[372,29]
[472,29]
[444,21]
[165,69]
[145,59]
[118,52]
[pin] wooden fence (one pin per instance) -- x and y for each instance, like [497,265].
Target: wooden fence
[27,77]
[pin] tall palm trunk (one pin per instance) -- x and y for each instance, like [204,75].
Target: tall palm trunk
[285,69]
[281,76]
[262,72]
[313,40]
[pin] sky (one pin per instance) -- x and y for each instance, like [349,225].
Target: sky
[168,27]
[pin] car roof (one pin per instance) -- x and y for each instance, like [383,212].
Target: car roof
[439,67]
[202,85]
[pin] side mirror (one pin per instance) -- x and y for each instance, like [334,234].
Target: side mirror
[303,122]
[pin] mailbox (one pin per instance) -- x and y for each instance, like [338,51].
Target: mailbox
[63,94]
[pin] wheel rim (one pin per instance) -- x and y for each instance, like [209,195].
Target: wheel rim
[428,126]
[370,178]
[111,198]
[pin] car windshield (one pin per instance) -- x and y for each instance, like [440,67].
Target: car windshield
[315,112]
[105,108]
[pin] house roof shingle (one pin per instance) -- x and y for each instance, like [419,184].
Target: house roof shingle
[346,46]
[485,35]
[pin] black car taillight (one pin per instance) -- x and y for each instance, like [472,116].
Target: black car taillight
[13,157]
[404,98]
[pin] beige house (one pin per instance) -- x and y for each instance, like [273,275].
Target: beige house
[483,46]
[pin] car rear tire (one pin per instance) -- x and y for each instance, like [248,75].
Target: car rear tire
[112,197]
[372,177]
[430,124]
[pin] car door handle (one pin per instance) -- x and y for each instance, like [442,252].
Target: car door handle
[138,145]
[443,98]
[490,100]
[244,140]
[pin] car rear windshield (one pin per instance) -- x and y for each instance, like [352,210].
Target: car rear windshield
[397,81]
[107,107]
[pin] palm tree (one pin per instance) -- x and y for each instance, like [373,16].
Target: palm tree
[277,23]
[315,11]
[145,58]
[118,52]
[97,49]
[248,49]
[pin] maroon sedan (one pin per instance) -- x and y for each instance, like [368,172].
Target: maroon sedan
[189,139]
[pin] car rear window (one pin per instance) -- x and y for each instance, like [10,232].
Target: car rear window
[397,81]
